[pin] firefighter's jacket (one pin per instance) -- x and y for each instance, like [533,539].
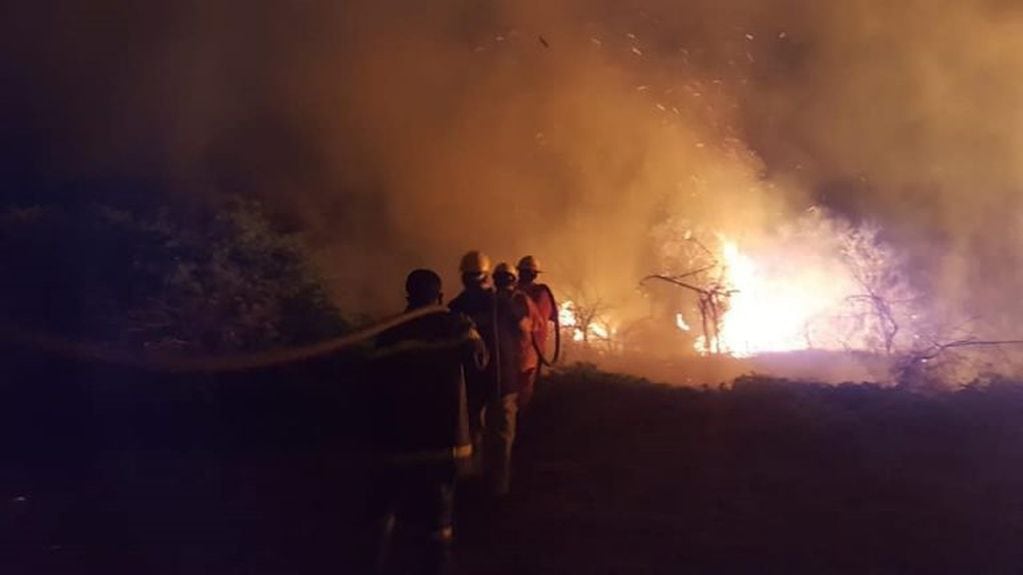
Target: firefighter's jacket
[517,320]
[479,305]
[543,299]
[419,402]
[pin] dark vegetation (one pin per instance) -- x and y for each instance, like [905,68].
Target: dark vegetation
[111,470]
[167,277]
[108,471]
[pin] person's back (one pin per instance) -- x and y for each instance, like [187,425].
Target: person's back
[545,310]
[476,303]
[517,318]
[543,299]
[541,295]
[420,424]
[421,390]
[514,316]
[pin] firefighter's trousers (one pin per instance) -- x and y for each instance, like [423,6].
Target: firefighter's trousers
[499,423]
[417,501]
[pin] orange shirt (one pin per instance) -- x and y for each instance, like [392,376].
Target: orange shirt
[518,318]
[547,311]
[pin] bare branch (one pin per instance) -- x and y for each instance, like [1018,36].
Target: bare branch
[674,281]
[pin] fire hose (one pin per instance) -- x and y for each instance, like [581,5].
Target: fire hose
[544,360]
[219,364]
[557,333]
[162,362]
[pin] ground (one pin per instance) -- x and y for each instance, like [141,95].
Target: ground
[613,475]
[619,476]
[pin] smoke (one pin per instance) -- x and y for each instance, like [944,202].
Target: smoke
[401,134]
[904,113]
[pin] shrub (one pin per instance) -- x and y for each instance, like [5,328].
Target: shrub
[223,281]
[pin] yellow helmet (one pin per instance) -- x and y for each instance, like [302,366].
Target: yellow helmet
[475,262]
[529,263]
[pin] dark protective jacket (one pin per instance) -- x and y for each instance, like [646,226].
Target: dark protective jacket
[506,320]
[419,387]
[478,304]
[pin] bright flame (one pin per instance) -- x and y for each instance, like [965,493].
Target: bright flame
[803,293]
[680,322]
[771,310]
[566,314]
[567,319]
[818,283]
[598,328]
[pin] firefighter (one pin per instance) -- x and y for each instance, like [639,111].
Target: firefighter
[516,358]
[543,299]
[420,426]
[477,303]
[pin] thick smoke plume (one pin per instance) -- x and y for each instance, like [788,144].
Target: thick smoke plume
[400,133]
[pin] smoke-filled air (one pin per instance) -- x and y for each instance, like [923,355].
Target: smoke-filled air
[828,175]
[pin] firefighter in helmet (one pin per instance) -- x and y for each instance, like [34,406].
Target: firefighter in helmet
[516,359]
[420,425]
[477,302]
[547,307]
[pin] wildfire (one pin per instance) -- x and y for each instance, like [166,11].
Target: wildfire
[584,324]
[828,285]
[820,283]
[776,304]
